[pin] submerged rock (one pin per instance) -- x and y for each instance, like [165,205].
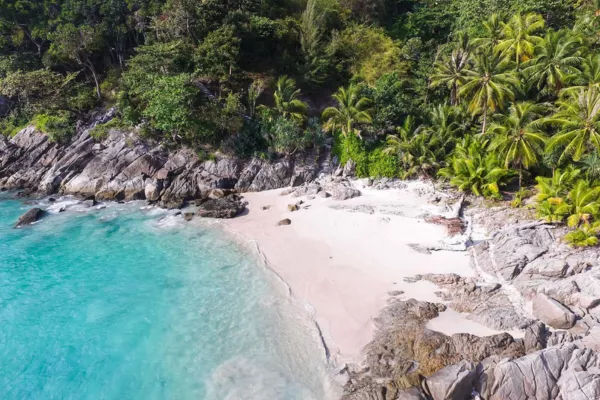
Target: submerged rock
[30,217]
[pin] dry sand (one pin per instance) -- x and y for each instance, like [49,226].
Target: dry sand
[344,263]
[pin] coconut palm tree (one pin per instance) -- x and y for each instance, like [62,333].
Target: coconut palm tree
[578,118]
[489,85]
[350,111]
[518,137]
[287,103]
[451,73]
[587,76]
[557,58]
[492,35]
[519,36]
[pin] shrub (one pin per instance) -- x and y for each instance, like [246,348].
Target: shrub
[100,131]
[59,127]
[371,161]
[585,236]
[284,135]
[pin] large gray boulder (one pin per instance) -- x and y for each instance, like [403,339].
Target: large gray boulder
[561,372]
[342,192]
[452,382]
[552,313]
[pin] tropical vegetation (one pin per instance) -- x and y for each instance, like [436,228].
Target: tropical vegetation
[491,96]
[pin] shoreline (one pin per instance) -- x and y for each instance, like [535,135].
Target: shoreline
[346,280]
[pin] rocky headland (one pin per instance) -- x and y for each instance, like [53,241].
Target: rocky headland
[540,296]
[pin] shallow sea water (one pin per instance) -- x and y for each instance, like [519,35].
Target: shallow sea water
[131,303]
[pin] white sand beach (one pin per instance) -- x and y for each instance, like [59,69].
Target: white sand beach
[343,258]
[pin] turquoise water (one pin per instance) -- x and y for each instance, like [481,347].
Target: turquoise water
[126,303]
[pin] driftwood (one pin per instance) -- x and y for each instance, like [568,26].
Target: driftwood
[454,226]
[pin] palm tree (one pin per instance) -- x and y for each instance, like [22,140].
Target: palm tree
[557,57]
[350,111]
[492,28]
[287,103]
[451,73]
[578,119]
[518,36]
[489,85]
[588,76]
[519,140]
[421,150]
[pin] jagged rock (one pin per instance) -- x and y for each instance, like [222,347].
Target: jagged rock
[30,217]
[152,190]
[349,168]
[341,192]
[324,194]
[220,208]
[562,372]
[126,167]
[292,207]
[536,337]
[403,349]
[285,221]
[171,203]
[552,313]
[452,382]
[89,201]
[188,216]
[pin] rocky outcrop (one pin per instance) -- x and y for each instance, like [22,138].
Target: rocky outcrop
[228,207]
[563,283]
[404,350]
[126,167]
[552,313]
[30,217]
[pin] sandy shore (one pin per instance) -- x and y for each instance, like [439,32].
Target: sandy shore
[344,258]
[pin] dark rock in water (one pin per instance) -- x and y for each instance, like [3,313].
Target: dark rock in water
[90,201]
[265,208]
[286,221]
[30,217]
[51,200]
[220,208]
[171,203]
[188,216]
[62,209]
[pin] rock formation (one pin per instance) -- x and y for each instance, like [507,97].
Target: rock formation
[125,167]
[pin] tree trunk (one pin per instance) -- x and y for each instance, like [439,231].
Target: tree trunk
[484,125]
[90,66]
[520,175]
[453,101]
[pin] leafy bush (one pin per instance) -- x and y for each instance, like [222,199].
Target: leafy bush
[285,136]
[59,128]
[584,236]
[473,169]
[100,131]
[371,161]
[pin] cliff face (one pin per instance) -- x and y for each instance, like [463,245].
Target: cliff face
[125,167]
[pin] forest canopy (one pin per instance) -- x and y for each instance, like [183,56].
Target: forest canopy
[493,96]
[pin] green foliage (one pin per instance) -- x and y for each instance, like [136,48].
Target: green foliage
[217,56]
[285,136]
[584,236]
[371,161]
[101,131]
[473,169]
[59,127]
[366,52]
[351,110]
